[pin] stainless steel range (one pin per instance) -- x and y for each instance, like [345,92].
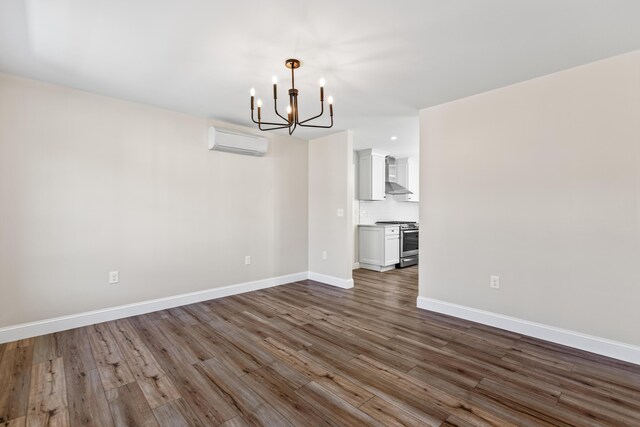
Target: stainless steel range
[409,231]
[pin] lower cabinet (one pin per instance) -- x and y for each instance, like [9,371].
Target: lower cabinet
[379,247]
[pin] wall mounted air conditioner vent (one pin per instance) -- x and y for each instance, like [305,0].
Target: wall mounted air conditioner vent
[235,142]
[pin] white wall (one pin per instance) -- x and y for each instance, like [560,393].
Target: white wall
[355,211]
[539,183]
[331,185]
[90,184]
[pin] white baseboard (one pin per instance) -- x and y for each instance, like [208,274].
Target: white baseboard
[331,280]
[356,265]
[33,329]
[617,350]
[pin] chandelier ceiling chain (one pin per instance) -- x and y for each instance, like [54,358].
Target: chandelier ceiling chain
[292,120]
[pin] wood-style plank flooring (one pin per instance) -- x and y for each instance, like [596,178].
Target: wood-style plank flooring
[307,354]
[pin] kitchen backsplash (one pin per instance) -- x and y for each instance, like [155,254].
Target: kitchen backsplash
[387,210]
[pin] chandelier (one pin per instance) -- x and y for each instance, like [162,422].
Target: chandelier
[292,120]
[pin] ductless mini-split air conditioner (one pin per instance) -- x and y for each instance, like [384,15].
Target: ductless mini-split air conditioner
[235,142]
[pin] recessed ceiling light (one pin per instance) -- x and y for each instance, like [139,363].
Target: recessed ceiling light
[393,138]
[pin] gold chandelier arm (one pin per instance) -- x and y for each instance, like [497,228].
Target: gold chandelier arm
[292,128]
[314,117]
[274,128]
[268,123]
[318,126]
[275,107]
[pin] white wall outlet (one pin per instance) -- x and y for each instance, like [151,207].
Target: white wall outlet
[324,254]
[247,260]
[495,282]
[114,277]
[340,213]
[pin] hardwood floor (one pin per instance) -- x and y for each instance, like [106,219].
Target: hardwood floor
[309,354]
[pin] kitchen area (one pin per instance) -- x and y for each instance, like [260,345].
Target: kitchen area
[386,210]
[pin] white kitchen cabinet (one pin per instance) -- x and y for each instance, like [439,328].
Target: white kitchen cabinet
[408,175]
[371,177]
[379,247]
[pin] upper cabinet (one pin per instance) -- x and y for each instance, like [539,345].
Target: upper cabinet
[371,174]
[408,175]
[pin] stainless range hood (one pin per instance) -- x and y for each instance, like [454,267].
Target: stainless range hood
[391,185]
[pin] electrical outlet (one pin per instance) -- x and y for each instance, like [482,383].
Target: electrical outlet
[114,277]
[324,254]
[247,260]
[495,282]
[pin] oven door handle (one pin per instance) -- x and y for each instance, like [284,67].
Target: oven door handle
[410,231]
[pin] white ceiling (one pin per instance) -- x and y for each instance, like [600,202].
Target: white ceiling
[382,60]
